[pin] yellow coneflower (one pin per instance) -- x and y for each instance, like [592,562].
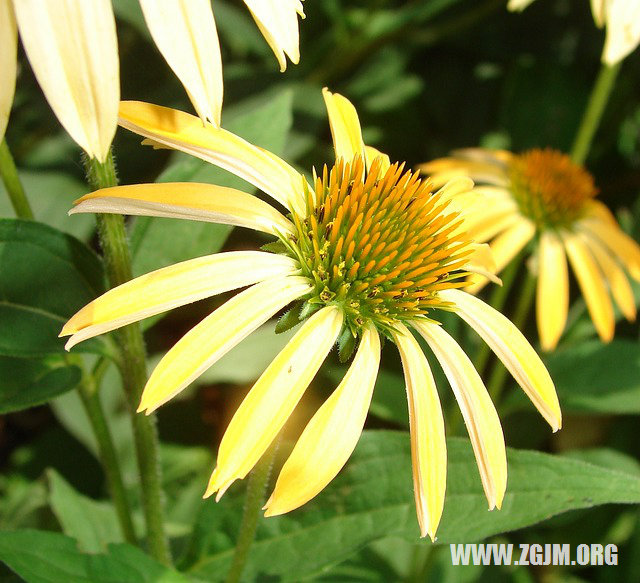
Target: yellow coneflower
[542,196]
[622,19]
[73,50]
[367,249]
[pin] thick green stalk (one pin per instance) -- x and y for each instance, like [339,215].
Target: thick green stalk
[254,500]
[113,239]
[593,114]
[11,180]
[88,390]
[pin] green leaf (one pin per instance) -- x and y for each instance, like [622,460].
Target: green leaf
[45,277]
[93,524]
[372,498]
[29,382]
[50,557]
[158,242]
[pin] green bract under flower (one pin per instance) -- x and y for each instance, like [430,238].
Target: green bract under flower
[380,248]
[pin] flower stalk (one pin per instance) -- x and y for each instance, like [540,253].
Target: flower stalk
[113,240]
[11,181]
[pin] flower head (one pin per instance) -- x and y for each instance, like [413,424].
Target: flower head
[542,196]
[367,249]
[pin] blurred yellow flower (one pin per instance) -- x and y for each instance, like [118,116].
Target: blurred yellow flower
[73,50]
[367,249]
[622,18]
[542,196]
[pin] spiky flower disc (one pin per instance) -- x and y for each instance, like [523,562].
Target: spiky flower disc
[380,248]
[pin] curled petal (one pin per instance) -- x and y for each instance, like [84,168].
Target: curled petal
[272,399]
[173,286]
[477,409]
[345,126]
[8,56]
[218,333]
[73,50]
[185,33]
[187,200]
[513,349]
[332,434]
[426,425]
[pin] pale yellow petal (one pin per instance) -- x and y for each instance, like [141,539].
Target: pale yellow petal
[345,126]
[218,333]
[8,56]
[518,5]
[272,399]
[484,225]
[332,434]
[185,33]
[552,294]
[477,409]
[506,247]
[426,426]
[591,281]
[598,10]
[371,154]
[73,50]
[187,200]
[442,170]
[513,349]
[618,282]
[621,246]
[187,133]
[481,262]
[278,23]
[623,30]
[173,286]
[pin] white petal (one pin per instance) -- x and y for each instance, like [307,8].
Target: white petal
[185,33]
[218,333]
[623,30]
[8,56]
[73,50]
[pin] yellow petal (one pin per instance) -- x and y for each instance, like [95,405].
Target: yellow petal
[187,200]
[278,23]
[173,286]
[618,282]
[552,295]
[513,349]
[484,171]
[185,33]
[505,247]
[591,283]
[477,409]
[371,154]
[623,30]
[271,400]
[185,132]
[345,126]
[518,5]
[481,262]
[332,434]
[8,56]
[218,333]
[621,246]
[598,10]
[426,425]
[73,50]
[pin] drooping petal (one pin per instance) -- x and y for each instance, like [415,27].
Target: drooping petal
[592,285]
[426,425]
[477,409]
[218,333]
[173,286]
[73,50]
[345,126]
[623,30]
[278,23]
[272,399]
[618,282]
[552,294]
[8,61]
[505,247]
[332,434]
[185,33]
[185,132]
[187,200]
[513,349]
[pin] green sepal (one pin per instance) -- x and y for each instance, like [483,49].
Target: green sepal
[309,307]
[346,344]
[289,319]
[275,247]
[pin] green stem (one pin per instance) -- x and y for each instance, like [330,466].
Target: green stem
[256,486]
[113,239]
[520,315]
[11,180]
[88,390]
[593,114]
